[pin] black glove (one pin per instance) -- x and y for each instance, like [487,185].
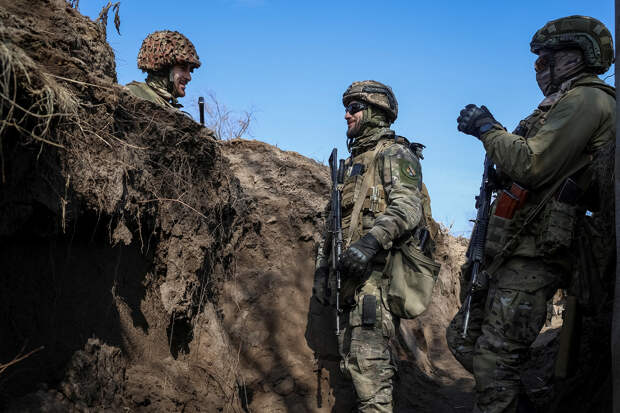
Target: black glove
[475,120]
[356,258]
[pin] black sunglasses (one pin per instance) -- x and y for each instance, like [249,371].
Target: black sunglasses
[355,107]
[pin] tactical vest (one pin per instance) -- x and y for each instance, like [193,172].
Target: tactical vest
[358,168]
[554,228]
[408,274]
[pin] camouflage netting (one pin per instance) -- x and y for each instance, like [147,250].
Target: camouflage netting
[164,49]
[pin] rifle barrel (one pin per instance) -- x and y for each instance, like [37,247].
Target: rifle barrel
[201,109]
[475,252]
[337,172]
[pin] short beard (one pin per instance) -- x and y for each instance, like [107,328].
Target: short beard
[354,131]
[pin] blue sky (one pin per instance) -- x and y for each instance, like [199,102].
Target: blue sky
[290,61]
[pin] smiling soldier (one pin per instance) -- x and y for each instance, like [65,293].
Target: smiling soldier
[168,58]
[382,218]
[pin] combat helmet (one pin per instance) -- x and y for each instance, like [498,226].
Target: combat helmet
[165,48]
[586,33]
[374,93]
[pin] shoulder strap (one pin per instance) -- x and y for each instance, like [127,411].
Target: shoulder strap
[512,243]
[366,184]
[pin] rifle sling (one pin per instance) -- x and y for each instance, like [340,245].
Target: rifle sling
[511,244]
[366,184]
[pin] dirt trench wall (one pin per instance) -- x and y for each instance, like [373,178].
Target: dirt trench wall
[152,267]
[116,223]
[267,303]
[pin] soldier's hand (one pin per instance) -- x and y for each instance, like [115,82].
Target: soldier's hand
[474,120]
[356,258]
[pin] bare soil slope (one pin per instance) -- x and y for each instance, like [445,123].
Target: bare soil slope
[266,307]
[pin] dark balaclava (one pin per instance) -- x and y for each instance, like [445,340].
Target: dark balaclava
[561,65]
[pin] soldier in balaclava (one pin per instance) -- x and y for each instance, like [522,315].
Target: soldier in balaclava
[389,214]
[168,58]
[554,168]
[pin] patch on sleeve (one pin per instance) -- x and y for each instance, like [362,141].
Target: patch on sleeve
[409,173]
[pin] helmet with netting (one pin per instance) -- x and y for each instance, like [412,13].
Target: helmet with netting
[164,49]
[374,93]
[585,33]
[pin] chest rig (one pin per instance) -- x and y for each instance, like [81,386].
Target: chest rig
[554,210]
[362,180]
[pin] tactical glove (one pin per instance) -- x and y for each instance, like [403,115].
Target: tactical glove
[475,120]
[356,258]
[320,289]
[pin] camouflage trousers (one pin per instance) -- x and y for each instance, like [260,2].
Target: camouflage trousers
[364,346]
[501,329]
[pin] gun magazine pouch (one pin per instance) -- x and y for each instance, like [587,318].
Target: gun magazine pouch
[557,226]
[498,233]
[369,310]
[412,278]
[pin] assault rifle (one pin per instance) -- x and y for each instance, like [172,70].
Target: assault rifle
[475,252]
[337,172]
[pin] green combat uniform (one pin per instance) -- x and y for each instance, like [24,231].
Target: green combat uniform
[391,212]
[155,89]
[160,51]
[570,134]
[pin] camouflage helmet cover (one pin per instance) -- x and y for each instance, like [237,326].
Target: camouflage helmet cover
[374,93]
[166,48]
[585,33]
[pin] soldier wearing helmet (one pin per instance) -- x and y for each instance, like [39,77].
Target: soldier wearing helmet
[168,58]
[555,167]
[382,209]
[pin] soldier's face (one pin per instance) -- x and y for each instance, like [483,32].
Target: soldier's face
[354,122]
[181,76]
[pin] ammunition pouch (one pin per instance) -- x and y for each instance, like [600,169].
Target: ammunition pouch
[557,227]
[507,209]
[412,278]
[498,233]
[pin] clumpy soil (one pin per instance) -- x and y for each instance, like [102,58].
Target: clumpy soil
[117,225]
[147,266]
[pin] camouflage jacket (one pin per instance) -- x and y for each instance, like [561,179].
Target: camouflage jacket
[154,90]
[567,127]
[392,206]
